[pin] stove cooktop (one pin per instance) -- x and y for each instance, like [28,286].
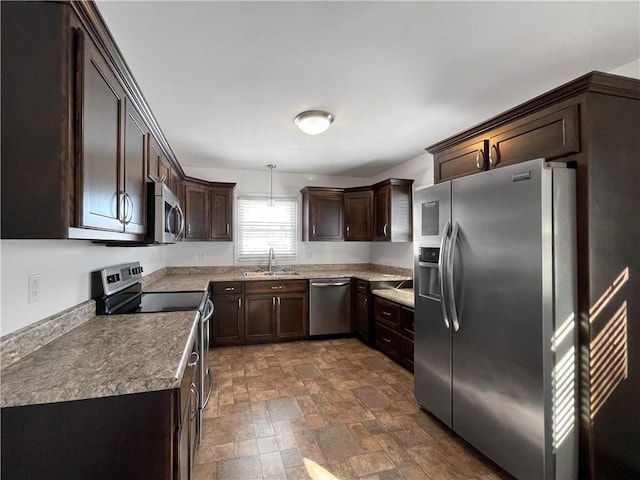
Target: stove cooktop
[152,302]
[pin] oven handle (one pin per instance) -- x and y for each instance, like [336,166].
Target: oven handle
[209,377]
[208,311]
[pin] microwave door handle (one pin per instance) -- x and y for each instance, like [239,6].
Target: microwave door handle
[182,223]
[168,221]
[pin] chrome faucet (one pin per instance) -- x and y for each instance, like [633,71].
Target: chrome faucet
[272,256]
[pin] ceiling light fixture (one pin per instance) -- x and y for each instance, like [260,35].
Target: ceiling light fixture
[313,122]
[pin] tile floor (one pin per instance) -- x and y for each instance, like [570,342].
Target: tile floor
[337,402]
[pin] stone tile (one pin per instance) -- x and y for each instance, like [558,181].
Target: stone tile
[244,468]
[215,453]
[206,471]
[272,466]
[283,409]
[308,446]
[298,473]
[336,442]
[394,450]
[344,412]
[306,404]
[307,371]
[247,448]
[262,425]
[373,427]
[267,444]
[291,458]
[369,463]
[372,397]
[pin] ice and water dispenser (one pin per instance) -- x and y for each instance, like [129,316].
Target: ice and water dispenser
[428,273]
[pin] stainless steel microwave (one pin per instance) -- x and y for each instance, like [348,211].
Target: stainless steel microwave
[165,217]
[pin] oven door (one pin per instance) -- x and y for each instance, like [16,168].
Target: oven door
[204,372]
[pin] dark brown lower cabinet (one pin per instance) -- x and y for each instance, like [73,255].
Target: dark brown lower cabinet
[260,318]
[227,323]
[291,316]
[394,332]
[127,436]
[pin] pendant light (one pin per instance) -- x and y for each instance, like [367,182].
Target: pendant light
[271,166]
[313,122]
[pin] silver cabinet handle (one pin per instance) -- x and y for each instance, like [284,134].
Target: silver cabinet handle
[386,340]
[230,289]
[313,230]
[193,363]
[452,300]
[348,231]
[276,288]
[441,270]
[384,229]
[494,160]
[278,301]
[480,159]
[273,301]
[239,303]
[364,304]
[386,313]
[227,229]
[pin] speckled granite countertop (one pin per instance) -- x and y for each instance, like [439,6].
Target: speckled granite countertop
[199,281]
[107,355]
[403,296]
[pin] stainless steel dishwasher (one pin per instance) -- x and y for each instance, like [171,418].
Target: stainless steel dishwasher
[329,306]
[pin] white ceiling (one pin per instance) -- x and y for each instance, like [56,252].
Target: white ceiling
[225,79]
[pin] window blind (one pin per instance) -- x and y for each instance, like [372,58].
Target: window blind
[261,226]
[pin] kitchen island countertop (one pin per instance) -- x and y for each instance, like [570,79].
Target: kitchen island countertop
[106,356]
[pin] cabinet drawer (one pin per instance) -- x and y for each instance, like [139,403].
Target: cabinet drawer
[226,288]
[276,286]
[362,286]
[464,160]
[387,340]
[387,313]
[550,133]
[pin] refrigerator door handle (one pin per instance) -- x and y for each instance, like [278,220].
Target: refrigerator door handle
[452,298]
[441,270]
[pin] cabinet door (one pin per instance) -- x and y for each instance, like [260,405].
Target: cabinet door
[326,219]
[358,213]
[362,316]
[155,161]
[550,133]
[406,353]
[292,316]
[259,325]
[463,160]
[101,126]
[221,211]
[198,218]
[227,323]
[135,152]
[382,213]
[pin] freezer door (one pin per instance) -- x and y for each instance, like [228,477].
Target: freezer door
[432,347]
[500,260]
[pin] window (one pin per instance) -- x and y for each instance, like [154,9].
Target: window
[261,226]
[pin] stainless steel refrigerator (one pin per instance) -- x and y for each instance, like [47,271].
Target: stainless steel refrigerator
[495,303]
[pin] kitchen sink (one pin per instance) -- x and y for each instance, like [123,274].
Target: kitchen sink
[268,274]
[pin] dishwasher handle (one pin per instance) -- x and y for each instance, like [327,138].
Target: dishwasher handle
[341,284]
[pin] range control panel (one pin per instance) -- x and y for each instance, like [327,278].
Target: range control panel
[111,280]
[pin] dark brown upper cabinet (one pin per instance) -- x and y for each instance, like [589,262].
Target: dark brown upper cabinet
[208,209]
[75,128]
[322,216]
[358,214]
[392,211]
[222,211]
[197,202]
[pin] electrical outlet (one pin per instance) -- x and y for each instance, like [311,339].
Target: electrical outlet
[309,254]
[34,288]
[201,256]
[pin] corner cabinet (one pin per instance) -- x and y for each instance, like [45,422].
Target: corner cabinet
[392,207]
[322,215]
[208,210]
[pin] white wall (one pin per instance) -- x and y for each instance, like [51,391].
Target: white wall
[64,267]
[631,69]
